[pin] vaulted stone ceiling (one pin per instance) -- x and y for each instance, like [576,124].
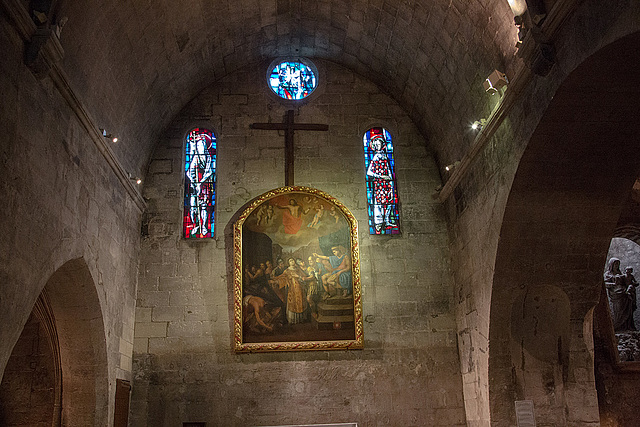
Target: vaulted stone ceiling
[135,64]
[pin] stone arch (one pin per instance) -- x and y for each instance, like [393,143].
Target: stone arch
[629,232]
[571,184]
[68,313]
[80,328]
[31,388]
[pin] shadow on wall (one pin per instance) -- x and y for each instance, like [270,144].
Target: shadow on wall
[540,333]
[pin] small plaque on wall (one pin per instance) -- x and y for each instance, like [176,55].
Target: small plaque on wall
[524,413]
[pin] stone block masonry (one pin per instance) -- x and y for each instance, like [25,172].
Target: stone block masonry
[184,366]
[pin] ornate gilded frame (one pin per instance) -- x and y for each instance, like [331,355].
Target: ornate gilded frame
[239,276]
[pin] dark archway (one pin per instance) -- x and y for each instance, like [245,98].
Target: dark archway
[31,388]
[73,364]
[567,196]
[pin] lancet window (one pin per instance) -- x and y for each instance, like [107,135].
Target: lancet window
[199,184]
[382,196]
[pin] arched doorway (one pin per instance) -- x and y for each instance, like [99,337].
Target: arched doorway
[62,352]
[31,388]
[564,205]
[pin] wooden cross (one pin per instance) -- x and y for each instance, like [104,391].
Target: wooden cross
[289,127]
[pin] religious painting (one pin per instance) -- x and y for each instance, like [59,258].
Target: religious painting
[296,274]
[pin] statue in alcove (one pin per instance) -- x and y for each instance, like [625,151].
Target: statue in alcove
[621,289]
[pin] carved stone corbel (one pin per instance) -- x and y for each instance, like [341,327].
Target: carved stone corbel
[42,51]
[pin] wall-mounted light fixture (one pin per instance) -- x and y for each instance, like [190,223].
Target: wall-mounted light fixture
[478,124]
[452,166]
[136,179]
[105,134]
[496,81]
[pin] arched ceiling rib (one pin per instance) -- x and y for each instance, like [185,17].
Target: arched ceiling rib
[136,64]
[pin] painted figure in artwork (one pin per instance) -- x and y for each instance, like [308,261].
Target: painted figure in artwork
[257,315]
[292,216]
[279,268]
[317,217]
[338,279]
[621,292]
[383,192]
[292,279]
[263,307]
[314,292]
[199,170]
[297,279]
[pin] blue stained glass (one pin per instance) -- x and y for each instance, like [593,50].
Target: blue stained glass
[199,184]
[292,80]
[382,196]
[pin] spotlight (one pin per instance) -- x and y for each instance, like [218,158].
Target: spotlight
[479,124]
[452,166]
[136,179]
[105,134]
[496,81]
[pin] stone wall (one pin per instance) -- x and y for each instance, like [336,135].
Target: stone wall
[185,369]
[477,210]
[62,202]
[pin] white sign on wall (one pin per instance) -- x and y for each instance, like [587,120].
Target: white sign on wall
[524,413]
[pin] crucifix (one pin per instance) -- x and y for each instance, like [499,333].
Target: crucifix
[289,127]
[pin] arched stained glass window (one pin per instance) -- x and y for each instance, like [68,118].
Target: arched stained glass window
[382,196]
[199,184]
[292,79]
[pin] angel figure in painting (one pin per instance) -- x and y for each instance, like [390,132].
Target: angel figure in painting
[316,218]
[293,280]
[261,215]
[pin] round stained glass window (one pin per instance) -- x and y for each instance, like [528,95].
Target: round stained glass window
[292,79]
